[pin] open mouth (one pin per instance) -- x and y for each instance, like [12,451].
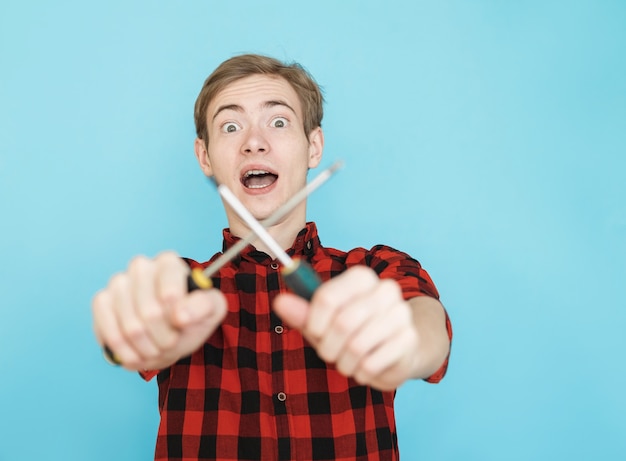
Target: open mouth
[258,179]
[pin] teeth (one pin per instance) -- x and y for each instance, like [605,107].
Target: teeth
[255,172]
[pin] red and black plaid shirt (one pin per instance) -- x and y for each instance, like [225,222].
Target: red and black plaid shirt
[257,391]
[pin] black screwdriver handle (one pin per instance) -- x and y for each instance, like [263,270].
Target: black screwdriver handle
[301,278]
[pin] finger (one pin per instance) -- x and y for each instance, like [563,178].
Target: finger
[389,365]
[207,310]
[352,317]
[344,325]
[150,312]
[378,330]
[100,304]
[104,320]
[292,309]
[171,277]
[171,285]
[136,344]
[194,335]
[205,305]
[332,295]
[108,331]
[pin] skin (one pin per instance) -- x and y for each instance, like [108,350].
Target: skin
[355,321]
[256,123]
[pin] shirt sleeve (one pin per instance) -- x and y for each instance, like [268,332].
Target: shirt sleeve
[148,374]
[414,281]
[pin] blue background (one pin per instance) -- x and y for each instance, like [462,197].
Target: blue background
[486,138]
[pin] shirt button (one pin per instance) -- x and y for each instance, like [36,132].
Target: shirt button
[278,329]
[274,266]
[281,396]
[308,245]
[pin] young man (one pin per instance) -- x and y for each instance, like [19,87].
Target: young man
[248,370]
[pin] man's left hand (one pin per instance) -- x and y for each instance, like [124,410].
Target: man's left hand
[361,324]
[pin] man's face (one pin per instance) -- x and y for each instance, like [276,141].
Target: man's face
[257,145]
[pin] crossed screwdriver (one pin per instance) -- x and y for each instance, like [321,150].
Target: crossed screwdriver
[298,275]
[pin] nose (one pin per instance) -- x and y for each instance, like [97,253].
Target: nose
[255,142]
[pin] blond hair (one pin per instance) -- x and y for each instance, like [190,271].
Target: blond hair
[238,67]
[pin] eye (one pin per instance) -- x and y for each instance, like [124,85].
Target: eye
[279,122]
[230,127]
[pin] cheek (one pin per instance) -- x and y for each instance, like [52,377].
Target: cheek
[217,158]
[298,145]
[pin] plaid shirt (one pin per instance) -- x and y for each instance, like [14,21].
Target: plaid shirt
[257,391]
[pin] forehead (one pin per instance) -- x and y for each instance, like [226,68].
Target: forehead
[254,92]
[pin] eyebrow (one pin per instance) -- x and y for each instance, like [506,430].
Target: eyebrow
[266,104]
[234,107]
[274,103]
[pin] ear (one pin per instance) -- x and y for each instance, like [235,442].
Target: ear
[316,147]
[202,155]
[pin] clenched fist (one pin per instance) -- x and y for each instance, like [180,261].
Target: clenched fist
[363,325]
[146,317]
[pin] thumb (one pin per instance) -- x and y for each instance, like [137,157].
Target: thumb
[292,309]
[199,306]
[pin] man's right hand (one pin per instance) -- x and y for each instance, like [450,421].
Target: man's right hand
[146,317]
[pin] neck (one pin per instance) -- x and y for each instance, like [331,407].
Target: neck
[284,232]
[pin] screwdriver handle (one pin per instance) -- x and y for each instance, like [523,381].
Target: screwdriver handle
[301,278]
[196,280]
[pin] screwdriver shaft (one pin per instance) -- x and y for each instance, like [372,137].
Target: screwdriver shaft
[288,206]
[254,225]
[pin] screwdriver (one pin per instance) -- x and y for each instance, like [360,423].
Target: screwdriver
[298,274]
[302,278]
[201,279]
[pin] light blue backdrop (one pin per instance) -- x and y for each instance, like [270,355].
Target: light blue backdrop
[486,138]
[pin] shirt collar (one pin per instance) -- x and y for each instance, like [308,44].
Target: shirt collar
[305,245]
